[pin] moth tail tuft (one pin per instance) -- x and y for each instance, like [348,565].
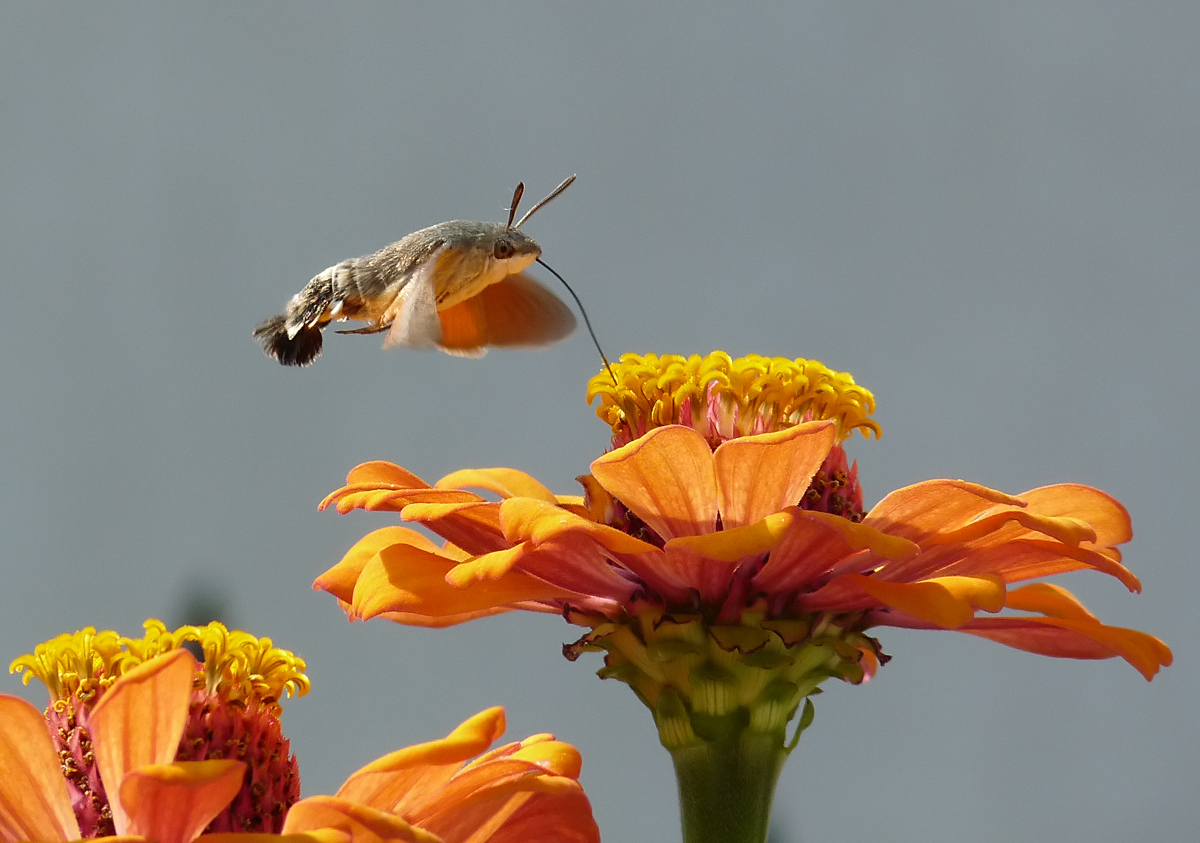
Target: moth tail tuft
[301,349]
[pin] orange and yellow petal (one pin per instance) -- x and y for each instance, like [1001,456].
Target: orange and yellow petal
[320,835]
[818,542]
[537,522]
[341,578]
[509,800]
[375,498]
[1106,515]
[506,482]
[948,602]
[380,473]
[363,824]
[571,561]
[473,526]
[404,780]
[140,720]
[404,578]
[34,804]
[666,478]
[172,803]
[762,474]
[1075,639]
[924,509]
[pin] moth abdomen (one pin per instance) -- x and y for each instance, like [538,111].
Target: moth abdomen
[291,349]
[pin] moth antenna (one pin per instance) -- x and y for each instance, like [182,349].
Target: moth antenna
[554,193]
[512,209]
[586,321]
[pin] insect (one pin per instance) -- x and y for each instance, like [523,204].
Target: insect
[459,286]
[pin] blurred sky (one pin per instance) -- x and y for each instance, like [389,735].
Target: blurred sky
[988,215]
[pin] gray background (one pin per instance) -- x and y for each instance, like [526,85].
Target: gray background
[988,216]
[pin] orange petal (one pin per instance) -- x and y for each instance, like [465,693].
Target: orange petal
[555,757]
[1069,531]
[403,578]
[561,816]
[362,823]
[378,472]
[172,803]
[932,506]
[1105,513]
[666,478]
[1023,559]
[320,835]
[596,498]
[340,579]
[1076,639]
[506,482]
[506,800]
[486,567]
[819,541]
[34,804]
[472,526]
[761,474]
[731,545]
[948,602]
[1050,600]
[377,498]
[408,778]
[526,519]
[140,720]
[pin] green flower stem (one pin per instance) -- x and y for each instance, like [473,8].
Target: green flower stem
[726,786]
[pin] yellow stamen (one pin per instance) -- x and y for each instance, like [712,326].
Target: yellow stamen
[237,665]
[751,394]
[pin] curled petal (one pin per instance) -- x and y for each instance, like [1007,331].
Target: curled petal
[730,545]
[1048,599]
[1107,516]
[172,803]
[381,473]
[1076,639]
[375,498]
[553,756]
[486,567]
[487,801]
[919,511]
[526,519]
[320,835]
[364,824]
[817,543]
[34,804]
[341,578]
[761,474]
[506,482]
[948,602]
[473,526]
[405,780]
[140,720]
[1070,531]
[403,578]
[569,560]
[667,478]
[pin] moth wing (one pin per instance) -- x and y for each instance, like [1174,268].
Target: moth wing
[515,311]
[416,325]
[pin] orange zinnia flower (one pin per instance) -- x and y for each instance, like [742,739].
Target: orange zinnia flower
[230,712]
[135,732]
[522,792]
[724,562]
[767,521]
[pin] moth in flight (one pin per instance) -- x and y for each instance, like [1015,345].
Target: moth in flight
[458,286]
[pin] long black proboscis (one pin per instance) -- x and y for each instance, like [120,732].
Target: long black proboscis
[586,321]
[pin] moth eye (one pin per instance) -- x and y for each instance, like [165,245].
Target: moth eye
[503,250]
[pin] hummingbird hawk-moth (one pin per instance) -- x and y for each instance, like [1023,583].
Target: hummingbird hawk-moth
[458,286]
